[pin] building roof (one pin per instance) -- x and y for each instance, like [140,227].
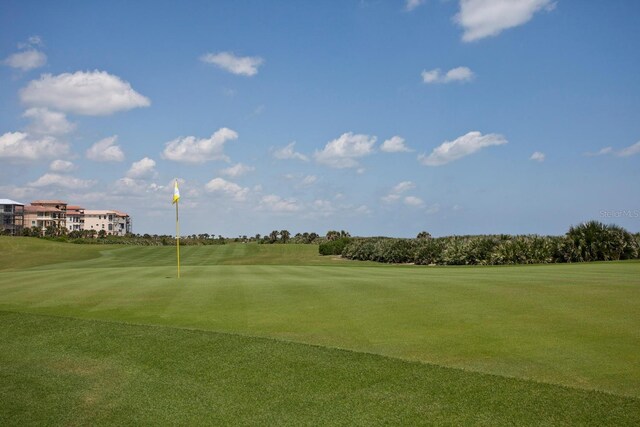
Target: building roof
[32,208]
[10,202]
[98,212]
[48,202]
[75,208]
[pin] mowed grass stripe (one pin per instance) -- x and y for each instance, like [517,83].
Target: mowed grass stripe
[58,370]
[548,323]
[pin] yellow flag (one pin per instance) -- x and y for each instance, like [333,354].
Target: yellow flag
[176,193]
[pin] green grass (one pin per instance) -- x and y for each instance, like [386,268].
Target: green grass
[60,371]
[571,325]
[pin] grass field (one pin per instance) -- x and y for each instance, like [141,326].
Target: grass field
[256,334]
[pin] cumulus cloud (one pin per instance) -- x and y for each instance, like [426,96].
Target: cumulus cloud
[630,150]
[394,144]
[413,201]
[602,152]
[537,156]
[458,74]
[61,166]
[143,168]
[20,145]
[198,150]
[64,181]
[47,122]
[240,65]
[343,151]
[463,146]
[396,192]
[625,152]
[237,170]
[26,60]
[288,152]
[409,5]
[485,18]
[105,150]
[227,188]
[274,203]
[92,93]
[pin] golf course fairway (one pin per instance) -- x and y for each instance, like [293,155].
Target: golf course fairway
[276,334]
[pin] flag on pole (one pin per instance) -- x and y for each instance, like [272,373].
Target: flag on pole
[176,193]
[176,198]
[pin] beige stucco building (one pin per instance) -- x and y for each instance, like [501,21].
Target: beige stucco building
[111,221]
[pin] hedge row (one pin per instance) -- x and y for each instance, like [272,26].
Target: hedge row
[592,241]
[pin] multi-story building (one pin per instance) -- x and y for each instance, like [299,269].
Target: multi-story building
[111,221]
[46,213]
[15,216]
[11,217]
[75,218]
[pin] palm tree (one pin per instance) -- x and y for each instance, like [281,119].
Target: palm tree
[284,236]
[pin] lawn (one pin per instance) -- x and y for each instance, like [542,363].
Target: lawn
[454,345]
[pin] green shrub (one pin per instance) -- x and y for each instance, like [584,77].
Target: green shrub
[333,247]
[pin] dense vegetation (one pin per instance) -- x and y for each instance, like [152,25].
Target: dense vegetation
[591,241]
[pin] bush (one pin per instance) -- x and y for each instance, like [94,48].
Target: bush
[333,247]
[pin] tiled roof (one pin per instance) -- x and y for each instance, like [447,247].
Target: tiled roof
[31,208]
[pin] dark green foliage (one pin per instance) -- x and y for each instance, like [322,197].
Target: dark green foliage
[334,247]
[592,241]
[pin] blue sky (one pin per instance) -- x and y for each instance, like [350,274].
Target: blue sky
[377,117]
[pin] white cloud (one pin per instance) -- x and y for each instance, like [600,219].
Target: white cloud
[288,152]
[33,41]
[64,181]
[240,65]
[193,150]
[61,166]
[274,203]
[463,146]
[394,144]
[538,156]
[485,18]
[47,122]
[105,150]
[390,198]
[458,74]
[403,187]
[92,93]
[396,192]
[228,188]
[26,60]
[432,76]
[413,201]
[19,145]
[308,180]
[343,152]
[237,170]
[143,168]
[630,150]
[625,152]
[412,4]
[602,152]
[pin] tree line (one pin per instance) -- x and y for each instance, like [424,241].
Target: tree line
[591,241]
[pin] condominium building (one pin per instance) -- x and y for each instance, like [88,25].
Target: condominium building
[75,218]
[42,214]
[11,217]
[46,213]
[111,221]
